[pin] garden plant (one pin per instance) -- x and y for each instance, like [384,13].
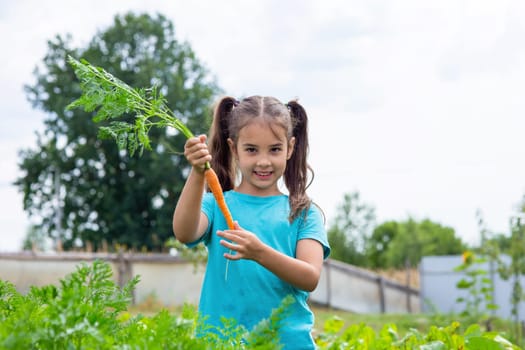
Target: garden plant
[88,310]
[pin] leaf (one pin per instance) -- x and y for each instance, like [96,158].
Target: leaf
[435,345]
[473,330]
[142,132]
[483,343]
[122,140]
[492,306]
[464,284]
[105,132]
[333,325]
[132,143]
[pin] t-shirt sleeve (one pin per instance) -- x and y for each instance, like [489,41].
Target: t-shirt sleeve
[313,228]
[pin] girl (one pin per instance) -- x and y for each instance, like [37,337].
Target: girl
[279,243]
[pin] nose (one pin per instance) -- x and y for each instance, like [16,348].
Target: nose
[263,161]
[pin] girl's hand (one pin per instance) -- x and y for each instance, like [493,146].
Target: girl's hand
[302,271]
[196,152]
[244,244]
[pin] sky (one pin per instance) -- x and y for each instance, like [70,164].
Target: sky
[417,105]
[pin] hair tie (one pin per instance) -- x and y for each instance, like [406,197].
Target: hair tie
[235,102]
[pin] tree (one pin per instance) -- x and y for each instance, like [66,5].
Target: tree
[353,224]
[84,189]
[34,240]
[379,243]
[394,244]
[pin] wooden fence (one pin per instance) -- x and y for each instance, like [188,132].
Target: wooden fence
[351,288]
[174,281]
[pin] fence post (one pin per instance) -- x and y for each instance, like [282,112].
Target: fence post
[381,285]
[121,268]
[124,272]
[407,267]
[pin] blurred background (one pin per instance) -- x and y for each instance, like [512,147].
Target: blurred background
[416,112]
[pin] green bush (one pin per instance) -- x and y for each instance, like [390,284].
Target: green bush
[87,310]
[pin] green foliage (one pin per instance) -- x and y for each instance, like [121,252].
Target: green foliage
[198,254]
[349,234]
[265,335]
[514,246]
[87,310]
[363,337]
[479,287]
[105,194]
[79,314]
[516,268]
[34,240]
[356,239]
[112,98]
[379,243]
[398,244]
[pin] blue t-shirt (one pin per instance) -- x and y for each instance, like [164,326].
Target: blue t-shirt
[250,292]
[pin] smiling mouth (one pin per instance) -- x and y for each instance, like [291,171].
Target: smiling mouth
[263,174]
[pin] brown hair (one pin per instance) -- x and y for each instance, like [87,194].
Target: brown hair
[230,116]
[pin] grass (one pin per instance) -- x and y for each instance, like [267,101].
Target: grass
[404,322]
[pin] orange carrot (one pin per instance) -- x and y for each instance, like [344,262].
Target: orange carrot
[216,189]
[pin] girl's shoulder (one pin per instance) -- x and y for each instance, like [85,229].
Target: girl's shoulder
[317,210]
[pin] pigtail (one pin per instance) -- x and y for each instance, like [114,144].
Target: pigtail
[297,168]
[221,160]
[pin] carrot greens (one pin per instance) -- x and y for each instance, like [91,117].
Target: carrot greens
[112,98]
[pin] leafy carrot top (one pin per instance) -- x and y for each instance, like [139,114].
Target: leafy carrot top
[110,97]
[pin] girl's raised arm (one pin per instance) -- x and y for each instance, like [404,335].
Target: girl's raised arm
[189,223]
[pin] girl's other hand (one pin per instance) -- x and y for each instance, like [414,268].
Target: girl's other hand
[242,243]
[196,152]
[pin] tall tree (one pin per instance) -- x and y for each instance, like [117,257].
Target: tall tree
[351,230]
[84,189]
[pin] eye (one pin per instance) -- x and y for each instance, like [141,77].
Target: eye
[250,149]
[276,149]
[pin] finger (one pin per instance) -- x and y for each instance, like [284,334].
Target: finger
[197,154]
[236,225]
[229,245]
[222,234]
[199,141]
[229,256]
[192,141]
[196,144]
[197,148]
[229,235]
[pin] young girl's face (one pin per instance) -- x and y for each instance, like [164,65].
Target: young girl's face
[261,152]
